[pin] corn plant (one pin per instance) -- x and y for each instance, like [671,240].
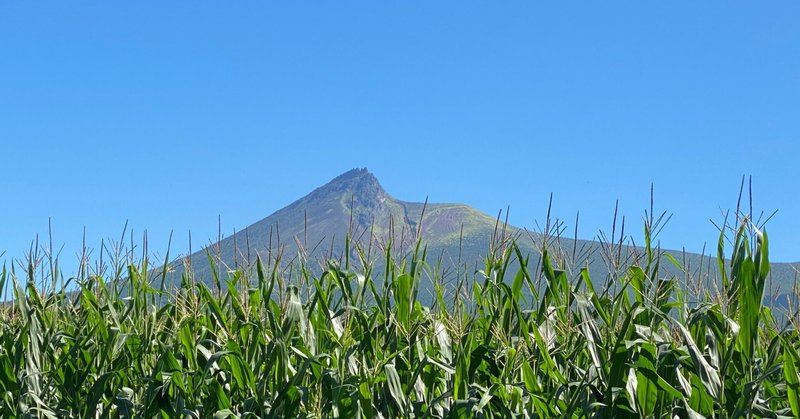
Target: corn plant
[525,337]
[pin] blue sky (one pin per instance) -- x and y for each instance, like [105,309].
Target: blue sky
[169,115]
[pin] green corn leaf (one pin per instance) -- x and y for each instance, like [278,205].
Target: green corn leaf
[402,296]
[596,303]
[636,277]
[217,314]
[651,386]
[708,374]
[791,368]
[395,389]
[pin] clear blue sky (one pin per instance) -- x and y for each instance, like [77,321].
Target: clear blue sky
[170,114]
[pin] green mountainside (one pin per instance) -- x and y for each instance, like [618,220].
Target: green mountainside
[457,236]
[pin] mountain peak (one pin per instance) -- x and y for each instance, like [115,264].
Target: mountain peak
[360,182]
[356,171]
[354,174]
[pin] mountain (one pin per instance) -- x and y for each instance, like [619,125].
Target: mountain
[355,205]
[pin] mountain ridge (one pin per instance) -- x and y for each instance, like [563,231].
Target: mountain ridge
[354,204]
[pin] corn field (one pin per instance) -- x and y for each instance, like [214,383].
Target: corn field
[523,337]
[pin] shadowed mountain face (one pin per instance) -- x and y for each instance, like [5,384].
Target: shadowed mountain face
[354,204]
